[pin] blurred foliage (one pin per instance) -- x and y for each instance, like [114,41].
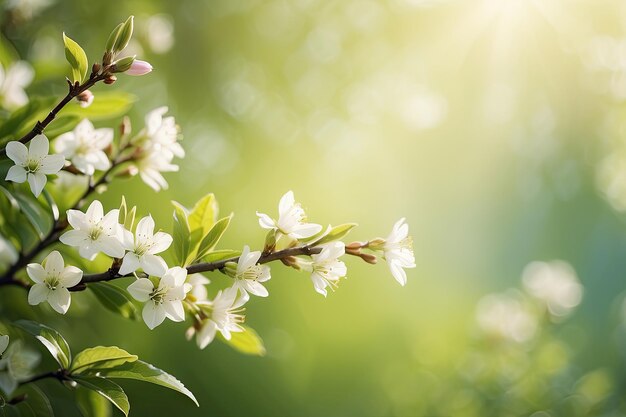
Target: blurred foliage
[495,126]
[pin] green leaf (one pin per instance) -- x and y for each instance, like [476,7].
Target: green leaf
[24,118]
[91,404]
[50,338]
[142,371]
[204,214]
[114,299]
[100,357]
[35,213]
[106,105]
[108,389]
[126,32]
[182,234]
[219,255]
[247,342]
[212,238]
[36,404]
[62,124]
[336,233]
[77,59]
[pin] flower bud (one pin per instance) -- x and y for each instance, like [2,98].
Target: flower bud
[85,98]
[129,172]
[110,79]
[139,67]
[123,65]
[107,58]
[376,244]
[355,245]
[125,126]
[369,258]
[95,68]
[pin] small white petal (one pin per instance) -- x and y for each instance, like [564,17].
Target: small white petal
[52,164]
[130,263]
[153,314]
[141,289]
[153,265]
[160,241]
[36,272]
[17,151]
[174,310]
[60,300]
[303,231]
[266,221]
[54,263]
[256,288]
[38,147]
[71,276]
[206,334]
[38,293]
[37,181]
[287,201]
[74,238]
[145,228]
[16,174]
[111,246]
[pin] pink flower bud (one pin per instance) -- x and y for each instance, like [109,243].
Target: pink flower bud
[139,68]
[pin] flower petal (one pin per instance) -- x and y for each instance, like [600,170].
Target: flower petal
[153,314]
[110,246]
[141,289]
[256,288]
[266,221]
[130,263]
[54,263]
[286,202]
[206,334]
[153,265]
[36,272]
[145,228]
[38,293]
[95,212]
[38,147]
[70,276]
[174,310]
[17,151]
[74,237]
[160,242]
[37,181]
[52,164]
[305,230]
[16,174]
[60,300]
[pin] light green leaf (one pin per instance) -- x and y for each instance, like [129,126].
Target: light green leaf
[220,255]
[35,213]
[108,389]
[115,299]
[204,214]
[100,357]
[91,404]
[126,32]
[182,234]
[50,338]
[212,238]
[142,371]
[106,105]
[77,59]
[336,233]
[62,124]
[248,342]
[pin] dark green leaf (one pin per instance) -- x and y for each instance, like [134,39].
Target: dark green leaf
[24,118]
[142,371]
[50,338]
[248,342]
[108,389]
[115,299]
[100,357]
[35,213]
[77,59]
[36,403]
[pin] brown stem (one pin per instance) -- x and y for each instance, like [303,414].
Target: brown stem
[74,90]
[112,273]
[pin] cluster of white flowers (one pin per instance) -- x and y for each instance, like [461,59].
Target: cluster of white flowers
[13,80]
[158,142]
[85,146]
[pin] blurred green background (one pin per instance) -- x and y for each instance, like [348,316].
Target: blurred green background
[495,126]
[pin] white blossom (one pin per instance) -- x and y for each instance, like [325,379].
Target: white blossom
[17,365]
[52,280]
[198,284]
[326,268]
[291,219]
[143,249]
[13,80]
[96,232]
[163,300]
[159,145]
[249,275]
[33,163]
[555,284]
[84,146]
[225,317]
[398,251]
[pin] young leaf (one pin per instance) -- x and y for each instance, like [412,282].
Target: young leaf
[100,357]
[182,234]
[336,233]
[204,214]
[247,342]
[212,238]
[142,371]
[77,59]
[91,404]
[50,338]
[219,255]
[108,389]
[106,105]
[115,299]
